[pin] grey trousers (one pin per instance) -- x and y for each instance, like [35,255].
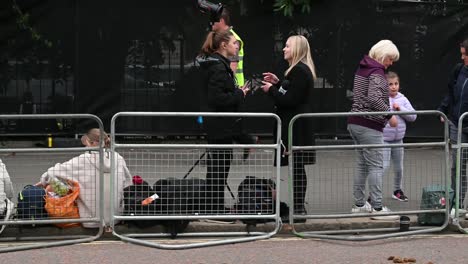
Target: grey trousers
[395,156]
[369,165]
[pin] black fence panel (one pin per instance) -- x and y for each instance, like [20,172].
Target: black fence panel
[102,57]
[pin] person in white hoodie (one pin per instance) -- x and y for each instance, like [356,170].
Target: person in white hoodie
[6,189]
[85,170]
[395,135]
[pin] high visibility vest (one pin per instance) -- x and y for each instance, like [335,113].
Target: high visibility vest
[240,64]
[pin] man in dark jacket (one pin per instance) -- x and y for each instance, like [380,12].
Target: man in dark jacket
[454,104]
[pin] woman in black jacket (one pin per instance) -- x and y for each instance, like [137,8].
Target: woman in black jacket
[222,95]
[292,97]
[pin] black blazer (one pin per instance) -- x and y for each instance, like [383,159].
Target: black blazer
[292,96]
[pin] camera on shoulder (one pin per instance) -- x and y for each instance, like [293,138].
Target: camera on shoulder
[213,10]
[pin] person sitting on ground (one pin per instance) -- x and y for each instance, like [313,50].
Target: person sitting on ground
[85,170]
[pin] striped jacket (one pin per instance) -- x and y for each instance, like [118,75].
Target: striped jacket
[370,94]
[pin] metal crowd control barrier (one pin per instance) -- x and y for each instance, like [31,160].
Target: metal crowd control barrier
[188,179]
[460,173]
[25,167]
[330,189]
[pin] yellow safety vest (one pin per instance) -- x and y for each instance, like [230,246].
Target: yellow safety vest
[240,65]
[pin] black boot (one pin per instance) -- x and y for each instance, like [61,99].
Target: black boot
[300,210]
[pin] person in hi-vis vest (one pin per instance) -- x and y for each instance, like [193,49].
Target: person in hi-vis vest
[237,62]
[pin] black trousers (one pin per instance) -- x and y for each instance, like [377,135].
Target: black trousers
[218,166]
[299,186]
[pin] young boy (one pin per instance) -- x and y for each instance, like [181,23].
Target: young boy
[395,135]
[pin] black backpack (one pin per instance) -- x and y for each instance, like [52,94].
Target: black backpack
[31,203]
[181,196]
[255,196]
[134,195]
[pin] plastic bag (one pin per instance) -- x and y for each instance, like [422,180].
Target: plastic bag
[64,207]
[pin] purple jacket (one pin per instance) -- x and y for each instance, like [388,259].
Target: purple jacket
[370,94]
[398,132]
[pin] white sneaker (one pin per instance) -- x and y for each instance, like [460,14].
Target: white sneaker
[461,212]
[384,217]
[365,209]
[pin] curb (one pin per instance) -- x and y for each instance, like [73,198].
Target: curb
[20,232]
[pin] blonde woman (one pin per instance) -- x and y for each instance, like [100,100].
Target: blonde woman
[371,95]
[292,96]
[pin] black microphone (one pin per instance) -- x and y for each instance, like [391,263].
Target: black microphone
[284,87]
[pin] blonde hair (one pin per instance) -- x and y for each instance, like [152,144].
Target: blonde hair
[300,52]
[391,75]
[92,136]
[384,49]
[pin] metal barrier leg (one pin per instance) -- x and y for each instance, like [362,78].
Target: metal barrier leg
[247,238]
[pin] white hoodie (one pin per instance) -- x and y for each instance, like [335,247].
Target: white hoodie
[6,188]
[85,170]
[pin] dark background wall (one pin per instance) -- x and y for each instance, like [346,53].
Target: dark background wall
[102,57]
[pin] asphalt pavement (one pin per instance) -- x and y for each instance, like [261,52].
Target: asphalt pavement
[440,249]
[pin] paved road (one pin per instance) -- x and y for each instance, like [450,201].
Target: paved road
[445,249]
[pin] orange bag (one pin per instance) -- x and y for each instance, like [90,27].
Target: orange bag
[64,207]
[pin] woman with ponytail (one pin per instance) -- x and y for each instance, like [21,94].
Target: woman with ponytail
[221,95]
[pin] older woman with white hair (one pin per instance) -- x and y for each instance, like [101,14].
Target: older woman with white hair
[371,95]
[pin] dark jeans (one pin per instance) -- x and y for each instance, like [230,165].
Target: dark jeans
[464,158]
[218,166]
